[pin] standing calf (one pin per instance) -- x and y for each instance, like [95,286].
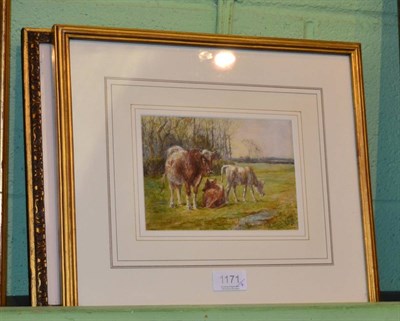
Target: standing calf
[236,175]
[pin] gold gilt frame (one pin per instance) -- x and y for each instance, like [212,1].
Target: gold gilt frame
[31,40]
[5,15]
[64,35]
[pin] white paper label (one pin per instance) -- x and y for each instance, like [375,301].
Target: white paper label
[229,281]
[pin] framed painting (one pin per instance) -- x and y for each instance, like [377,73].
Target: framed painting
[5,15]
[205,169]
[41,166]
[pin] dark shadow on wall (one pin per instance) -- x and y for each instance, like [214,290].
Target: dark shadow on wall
[387,198]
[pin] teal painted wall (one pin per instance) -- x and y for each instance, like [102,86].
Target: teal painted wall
[373,23]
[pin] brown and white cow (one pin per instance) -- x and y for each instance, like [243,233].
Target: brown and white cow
[213,194]
[236,175]
[186,168]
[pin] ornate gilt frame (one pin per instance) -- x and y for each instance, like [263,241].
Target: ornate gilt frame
[31,39]
[63,35]
[5,15]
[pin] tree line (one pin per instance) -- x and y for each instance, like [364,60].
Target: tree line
[161,132]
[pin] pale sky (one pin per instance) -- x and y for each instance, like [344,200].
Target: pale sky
[272,136]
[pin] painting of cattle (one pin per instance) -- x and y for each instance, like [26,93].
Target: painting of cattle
[194,168]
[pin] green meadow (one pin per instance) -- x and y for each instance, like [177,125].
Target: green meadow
[277,210]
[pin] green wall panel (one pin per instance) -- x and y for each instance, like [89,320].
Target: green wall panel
[361,312]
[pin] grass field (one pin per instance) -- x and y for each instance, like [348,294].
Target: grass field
[277,210]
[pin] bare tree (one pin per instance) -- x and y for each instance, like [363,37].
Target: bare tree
[161,132]
[253,150]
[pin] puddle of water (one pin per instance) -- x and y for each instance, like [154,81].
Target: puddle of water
[254,220]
